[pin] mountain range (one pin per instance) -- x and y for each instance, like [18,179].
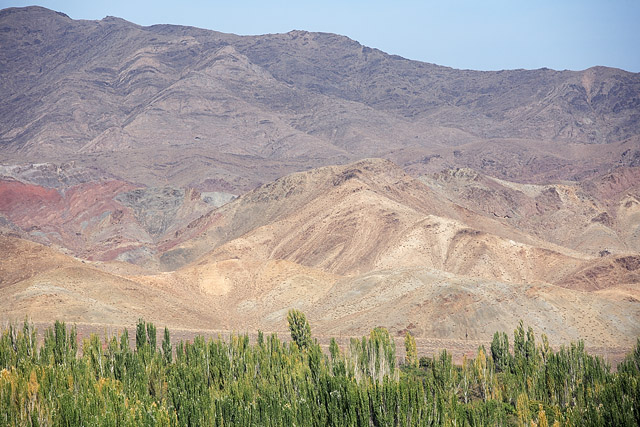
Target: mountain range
[212,181]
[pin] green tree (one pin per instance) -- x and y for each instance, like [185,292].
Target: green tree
[60,349]
[141,335]
[299,328]
[411,350]
[500,351]
[269,382]
[166,346]
[151,336]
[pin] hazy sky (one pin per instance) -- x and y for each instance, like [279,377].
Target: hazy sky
[482,35]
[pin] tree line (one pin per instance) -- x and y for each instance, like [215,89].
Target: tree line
[274,383]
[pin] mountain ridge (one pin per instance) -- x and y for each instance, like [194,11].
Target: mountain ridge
[194,177]
[297,100]
[354,246]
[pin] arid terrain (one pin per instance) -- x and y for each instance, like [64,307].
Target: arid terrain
[210,182]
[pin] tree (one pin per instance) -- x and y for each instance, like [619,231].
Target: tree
[522,409]
[166,346]
[480,366]
[542,417]
[500,351]
[151,336]
[411,350]
[60,349]
[141,335]
[299,328]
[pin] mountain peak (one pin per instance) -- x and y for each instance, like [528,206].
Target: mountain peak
[29,13]
[116,20]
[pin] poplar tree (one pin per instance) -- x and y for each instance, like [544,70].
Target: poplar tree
[166,346]
[299,328]
[141,335]
[151,336]
[411,350]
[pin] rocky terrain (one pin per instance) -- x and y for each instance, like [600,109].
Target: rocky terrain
[190,107]
[96,218]
[211,181]
[358,246]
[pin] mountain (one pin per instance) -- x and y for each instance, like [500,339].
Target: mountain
[94,217]
[220,112]
[204,180]
[354,246]
[44,284]
[595,216]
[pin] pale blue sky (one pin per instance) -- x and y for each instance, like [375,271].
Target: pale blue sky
[482,35]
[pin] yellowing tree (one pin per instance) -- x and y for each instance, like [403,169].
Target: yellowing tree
[411,350]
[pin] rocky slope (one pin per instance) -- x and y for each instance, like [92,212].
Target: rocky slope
[219,112]
[595,216]
[93,217]
[357,246]
[496,195]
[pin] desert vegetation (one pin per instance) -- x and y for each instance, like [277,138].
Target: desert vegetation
[273,382]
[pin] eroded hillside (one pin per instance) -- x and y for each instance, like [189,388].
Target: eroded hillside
[188,107]
[359,246]
[207,180]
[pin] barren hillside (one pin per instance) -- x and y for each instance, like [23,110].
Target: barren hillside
[355,246]
[204,180]
[189,107]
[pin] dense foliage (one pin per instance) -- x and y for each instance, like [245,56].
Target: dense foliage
[270,382]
